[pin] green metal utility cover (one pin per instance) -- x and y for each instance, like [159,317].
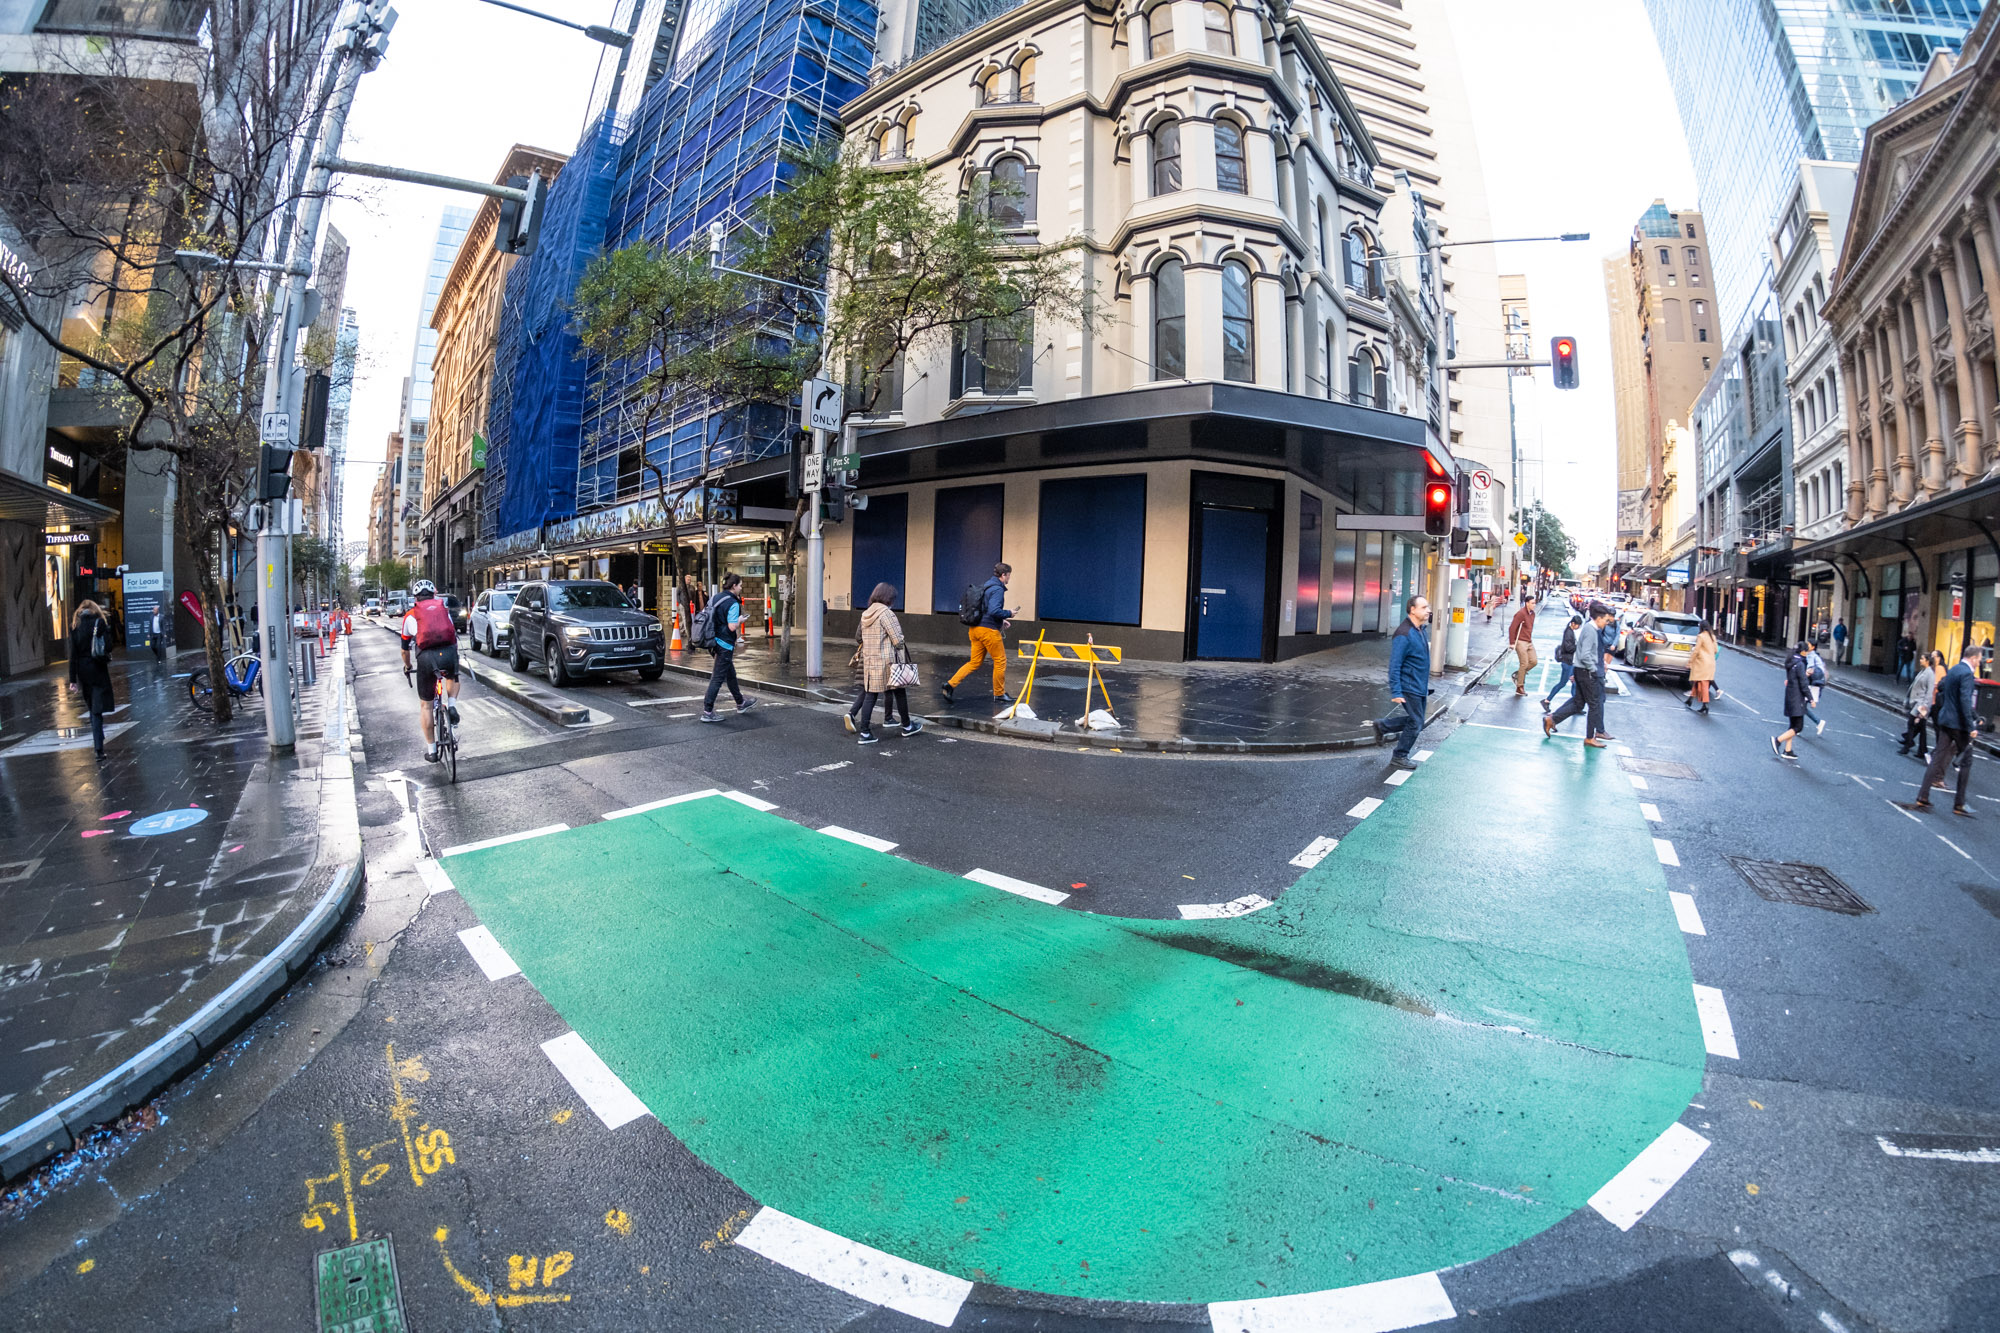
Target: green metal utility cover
[358,1289]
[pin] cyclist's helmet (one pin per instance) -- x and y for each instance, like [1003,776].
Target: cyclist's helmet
[423,588]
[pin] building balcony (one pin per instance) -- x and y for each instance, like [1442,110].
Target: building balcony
[173,20]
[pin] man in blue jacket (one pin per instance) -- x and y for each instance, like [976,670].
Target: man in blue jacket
[1957,725]
[1409,682]
[994,617]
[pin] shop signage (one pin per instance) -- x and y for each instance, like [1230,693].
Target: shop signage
[645,516]
[1677,575]
[58,456]
[68,538]
[478,450]
[145,593]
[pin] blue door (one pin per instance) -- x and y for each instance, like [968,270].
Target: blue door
[1229,601]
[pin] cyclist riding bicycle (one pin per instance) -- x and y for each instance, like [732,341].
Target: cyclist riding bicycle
[429,630]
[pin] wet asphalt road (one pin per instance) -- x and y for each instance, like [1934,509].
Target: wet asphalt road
[1847,1027]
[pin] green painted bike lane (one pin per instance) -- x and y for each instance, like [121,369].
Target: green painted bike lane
[1438,1043]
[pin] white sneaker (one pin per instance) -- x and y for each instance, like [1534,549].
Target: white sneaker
[1822,728]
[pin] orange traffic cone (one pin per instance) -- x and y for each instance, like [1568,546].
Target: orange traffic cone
[676,646]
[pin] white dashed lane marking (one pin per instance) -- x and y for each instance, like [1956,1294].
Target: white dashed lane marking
[433,876]
[1651,812]
[1375,1307]
[493,960]
[1315,852]
[1398,778]
[1365,807]
[1248,903]
[1716,1033]
[1685,913]
[755,803]
[1638,783]
[859,1270]
[602,1091]
[1987,1154]
[858,839]
[1631,1194]
[993,879]
[503,840]
[1665,851]
[662,804]
[1422,755]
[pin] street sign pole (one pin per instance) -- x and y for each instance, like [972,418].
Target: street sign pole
[815,564]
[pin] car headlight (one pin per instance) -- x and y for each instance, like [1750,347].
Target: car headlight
[577,631]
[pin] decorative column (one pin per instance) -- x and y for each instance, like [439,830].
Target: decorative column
[1919,320]
[1856,498]
[1970,435]
[1989,271]
[1896,343]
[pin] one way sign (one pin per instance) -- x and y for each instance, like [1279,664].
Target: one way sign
[820,405]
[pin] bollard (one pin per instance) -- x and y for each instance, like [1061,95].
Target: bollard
[308,668]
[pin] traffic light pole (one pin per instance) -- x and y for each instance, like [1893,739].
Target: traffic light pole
[815,580]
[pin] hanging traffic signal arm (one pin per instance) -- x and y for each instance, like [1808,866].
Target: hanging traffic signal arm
[520,224]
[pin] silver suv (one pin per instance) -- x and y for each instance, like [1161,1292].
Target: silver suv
[493,617]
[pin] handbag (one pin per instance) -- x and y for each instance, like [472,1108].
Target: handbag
[902,671]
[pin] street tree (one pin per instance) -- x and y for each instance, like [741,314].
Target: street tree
[388,575]
[1553,547]
[109,166]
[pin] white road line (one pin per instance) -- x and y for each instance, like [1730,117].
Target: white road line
[502,841]
[1907,814]
[493,960]
[1982,1155]
[655,703]
[433,876]
[1365,807]
[862,1272]
[1374,1307]
[602,1091]
[1638,783]
[1315,852]
[831,768]
[1631,1194]
[858,839]
[1954,846]
[1716,1033]
[661,805]
[1625,750]
[993,879]
[1398,778]
[1685,914]
[1248,903]
[744,798]
[1665,851]
[1651,812]
[1422,755]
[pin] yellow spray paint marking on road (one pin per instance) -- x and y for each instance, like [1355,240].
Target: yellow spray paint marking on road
[521,1272]
[86,1265]
[427,1151]
[344,1173]
[726,1233]
[619,1222]
[562,1117]
[404,1106]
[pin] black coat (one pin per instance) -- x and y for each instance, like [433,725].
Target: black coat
[92,677]
[1958,698]
[1798,686]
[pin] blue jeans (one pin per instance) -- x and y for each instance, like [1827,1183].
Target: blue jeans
[1568,674]
[1408,725]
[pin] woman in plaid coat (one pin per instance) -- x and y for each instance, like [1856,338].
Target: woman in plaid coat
[882,647]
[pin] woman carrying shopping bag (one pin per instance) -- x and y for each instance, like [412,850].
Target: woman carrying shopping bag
[885,666]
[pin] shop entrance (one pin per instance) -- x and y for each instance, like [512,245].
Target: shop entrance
[1230,612]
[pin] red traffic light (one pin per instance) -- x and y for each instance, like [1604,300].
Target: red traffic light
[1562,361]
[1440,495]
[1437,509]
[1563,347]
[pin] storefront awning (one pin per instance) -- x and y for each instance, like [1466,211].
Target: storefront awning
[39,506]
[1955,515]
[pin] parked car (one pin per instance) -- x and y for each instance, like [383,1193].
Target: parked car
[1662,642]
[582,627]
[492,617]
[1624,619]
[395,604]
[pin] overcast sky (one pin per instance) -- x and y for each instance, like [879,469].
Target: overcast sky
[1577,129]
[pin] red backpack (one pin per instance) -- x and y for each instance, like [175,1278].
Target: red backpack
[434,627]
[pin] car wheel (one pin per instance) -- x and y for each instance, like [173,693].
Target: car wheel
[651,673]
[515,658]
[558,672]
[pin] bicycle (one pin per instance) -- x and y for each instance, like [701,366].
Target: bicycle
[242,674]
[442,729]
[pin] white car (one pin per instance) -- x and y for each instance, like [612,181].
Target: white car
[492,618]
[372,607]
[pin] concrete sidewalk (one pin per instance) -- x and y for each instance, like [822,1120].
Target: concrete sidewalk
[153,903]
[1321,701]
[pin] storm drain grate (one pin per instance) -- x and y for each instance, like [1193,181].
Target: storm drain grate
[1660,768]
[358,1289]
[1791,882]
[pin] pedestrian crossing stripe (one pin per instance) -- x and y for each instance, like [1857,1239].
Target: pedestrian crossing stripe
[961,1078]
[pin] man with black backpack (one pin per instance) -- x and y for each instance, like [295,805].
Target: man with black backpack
[983,610]
[719,628]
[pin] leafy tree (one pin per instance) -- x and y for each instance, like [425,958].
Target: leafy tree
[388,575]
[1550,545]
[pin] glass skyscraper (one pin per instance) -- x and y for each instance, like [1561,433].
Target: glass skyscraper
[1763,83]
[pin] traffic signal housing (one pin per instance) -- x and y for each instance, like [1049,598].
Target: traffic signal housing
[274,471]
[1440,500]
[1562,361]
[521,221]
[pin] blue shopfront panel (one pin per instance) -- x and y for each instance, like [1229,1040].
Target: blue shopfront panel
[1229,603]
[881,546]
[965,544]
[1092,551]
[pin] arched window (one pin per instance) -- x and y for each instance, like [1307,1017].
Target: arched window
[1666,255]
[1230,171]
[1221,37]
[1166,157]
[1024,79]
[1319,237]
[1160,31]
[1360,379]
[1361,275]
[889,144]
[1169,321]
[1382,385]
[1007,193]
[1690,256]
[1238,330]
[993,88]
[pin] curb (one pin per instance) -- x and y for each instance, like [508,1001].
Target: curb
[769,686]
[531,697]
[189,1043]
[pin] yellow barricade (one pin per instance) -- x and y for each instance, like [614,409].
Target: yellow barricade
[1088,652]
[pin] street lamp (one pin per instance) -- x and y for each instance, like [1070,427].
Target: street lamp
[596,32]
